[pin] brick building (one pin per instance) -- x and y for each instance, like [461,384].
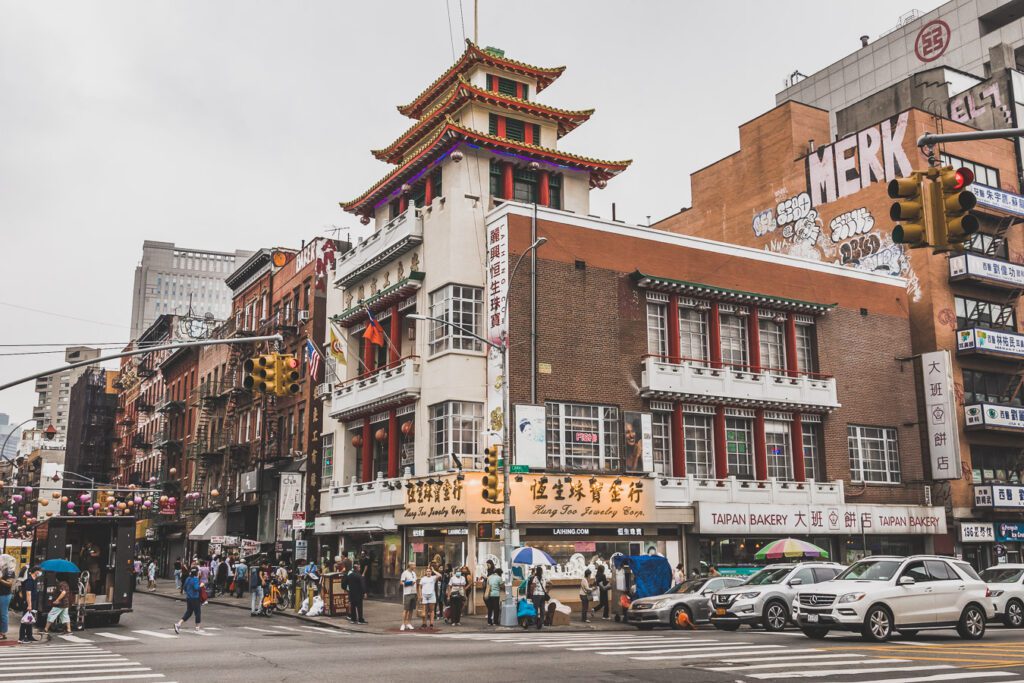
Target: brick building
[92,409]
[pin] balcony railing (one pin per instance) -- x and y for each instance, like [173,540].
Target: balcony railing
[994,417]
[685,491]
[698,380]
[205,446]
[400,235]
[380,494]
[987,271]
[167,404]
[990,343]
[396,383]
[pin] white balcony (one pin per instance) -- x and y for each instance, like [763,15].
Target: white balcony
[672,492]
[398,236]
[390,386]
[379,494]
[767,389]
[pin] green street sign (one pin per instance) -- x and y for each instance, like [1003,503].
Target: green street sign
[519,469]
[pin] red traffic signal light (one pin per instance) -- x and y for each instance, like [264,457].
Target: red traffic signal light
[963,178]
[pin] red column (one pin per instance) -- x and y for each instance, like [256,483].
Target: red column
[796,438]
[402,204]
[721,449]
[754,339]
[760,449]
[678,441]
[672,323]
[428,190]
[791,360]
[502,127]
[528,134]
[396,336]
[392,443]
[507,186]
[367,451]
[368,356]
[715,335]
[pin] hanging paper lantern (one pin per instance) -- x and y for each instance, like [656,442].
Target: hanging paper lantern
[163,500]
[121,506]
[49,514]
[84,497]
[28,489]
[381,434]
[55,494]
[214,492]
[44,502]
[131,487]
[71,505]
[147,504]
[64,499]
[173,471]
[16,497]
[171,500]
[407,427]
[357,441]
[137,499]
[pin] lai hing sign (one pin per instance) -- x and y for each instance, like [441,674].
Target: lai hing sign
[991,341]
[1009,531]
[940,415]
[979,266]
[997,417]
[766,519]
[1000,200]
[977,532]
[552,499]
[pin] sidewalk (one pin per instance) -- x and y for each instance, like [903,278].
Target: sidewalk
[382,616]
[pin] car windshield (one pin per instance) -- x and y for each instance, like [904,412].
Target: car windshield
[692,586]
[1001,575]
[768,576]
[870,570]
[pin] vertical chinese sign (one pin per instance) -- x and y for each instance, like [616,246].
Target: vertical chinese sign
[497,321]
[940,415]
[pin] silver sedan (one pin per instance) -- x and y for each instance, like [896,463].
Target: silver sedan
[690,597]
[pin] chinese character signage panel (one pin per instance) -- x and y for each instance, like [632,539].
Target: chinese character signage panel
[990,341]
[1009,532]
[977,532]
[496,321]
[1001,200]
[1007,496]
[976,265]
[981,415]
[982,496]
[940,415]
[756,518]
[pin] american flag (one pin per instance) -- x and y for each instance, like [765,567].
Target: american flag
[313,360]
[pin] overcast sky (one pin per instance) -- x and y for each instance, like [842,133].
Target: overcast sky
[228,125]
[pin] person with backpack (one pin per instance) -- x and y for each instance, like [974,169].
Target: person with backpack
[6,593]
[30,595]
[194,589]
[241,570]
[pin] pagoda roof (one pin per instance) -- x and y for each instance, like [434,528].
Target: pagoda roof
[463,91]
[448,134]
[476,55]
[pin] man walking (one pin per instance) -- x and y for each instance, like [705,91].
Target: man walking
[240,578]
[255,590]
[59,608]
[193,601]
[30,589]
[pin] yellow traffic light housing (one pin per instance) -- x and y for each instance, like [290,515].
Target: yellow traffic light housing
[910,210]
[259,373]
[268,373]
[490,480]
[955,202]
[287,375]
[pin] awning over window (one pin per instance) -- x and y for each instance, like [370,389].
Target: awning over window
[214,524]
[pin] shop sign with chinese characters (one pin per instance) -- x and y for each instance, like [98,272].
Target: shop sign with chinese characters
[990,341]
[999,496]
[977,532]
[774,520]
[997,417]
[940,414]
[1001,200]
[497,325]
[986,268]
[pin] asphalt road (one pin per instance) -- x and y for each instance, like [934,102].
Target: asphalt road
[237,647]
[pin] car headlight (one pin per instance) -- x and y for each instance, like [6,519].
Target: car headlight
[658,604]
[996,594]
[749,596]
[851,597]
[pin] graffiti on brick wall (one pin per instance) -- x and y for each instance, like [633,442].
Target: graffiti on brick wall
[983,106]
[798,220]
[764,223]
[849,224]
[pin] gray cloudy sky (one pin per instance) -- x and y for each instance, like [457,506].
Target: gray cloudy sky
[241,124]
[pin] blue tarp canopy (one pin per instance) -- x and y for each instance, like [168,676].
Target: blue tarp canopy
[652,574]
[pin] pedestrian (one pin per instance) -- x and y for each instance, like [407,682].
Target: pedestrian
[355,583]
[204,572]
[679,575]
[255,590]
[178,578]
[490,567]
[29,589]
[6,593]
[492,597]
[151,576]
[537,589]
[456,595]
[603,588]
[311,577]
[59,608]
[137,570]
[408,580]
[241,570]
[193,601]
[428,596]
[441,591]
[586,591]
[221,580]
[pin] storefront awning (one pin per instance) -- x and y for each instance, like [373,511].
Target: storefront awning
[214,524]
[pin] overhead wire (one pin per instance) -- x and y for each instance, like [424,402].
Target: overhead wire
[451,33]
[61,315]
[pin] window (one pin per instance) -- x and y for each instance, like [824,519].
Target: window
[583,437]
[524,185]
[459,305]
[997,464]
[513,129]
[455,428]
[984,243]
[657,337]
[780,455]
[773,343]
[739,447]
[974,312]
[805,348]
[699,445]
[874,456]
[663,444]
[506,86]
[812,451]
[990,387]
[327,474]
[986,175]
[693,333]
[734,340]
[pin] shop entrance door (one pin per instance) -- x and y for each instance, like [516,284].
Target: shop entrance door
[375,573]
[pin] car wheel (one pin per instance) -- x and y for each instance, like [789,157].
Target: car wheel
[1014,617]
[817,633]
[972,623]
[673,618]
[908,632]
[775,616]
[877,624]
[727,627]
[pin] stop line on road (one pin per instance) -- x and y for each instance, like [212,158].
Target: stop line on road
[130,635]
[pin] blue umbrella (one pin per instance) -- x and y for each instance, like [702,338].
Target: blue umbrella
[59,566]
[531,556]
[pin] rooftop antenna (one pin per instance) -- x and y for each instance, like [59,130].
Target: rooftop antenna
[476,21]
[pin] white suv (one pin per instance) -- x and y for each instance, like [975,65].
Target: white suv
[879,595]
[764,597]
[1006,581]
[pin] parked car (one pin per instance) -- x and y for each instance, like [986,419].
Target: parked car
[880,595]
[764,598]
[1006,581]
[690,597]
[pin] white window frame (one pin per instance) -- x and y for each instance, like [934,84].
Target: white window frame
[662,430]
[657,330]
[859,438]
[460,305]
[734,466]
[731,322]
[805,347]
[564,454]
[327,463]
[699,445]
[693,333]
[778,448]
[455,429]
[773,344]
[810,438]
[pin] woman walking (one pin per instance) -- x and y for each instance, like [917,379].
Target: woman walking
[193,600]
[585,593]
[493,597]
[603,586]
[457,596]
[537,589]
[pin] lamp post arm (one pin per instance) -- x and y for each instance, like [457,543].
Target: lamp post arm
[460,328]
[16,428]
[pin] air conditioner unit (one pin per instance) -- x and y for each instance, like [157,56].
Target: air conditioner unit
[303,316]
[323,390]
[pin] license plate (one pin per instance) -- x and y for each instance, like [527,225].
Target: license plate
[812,618]
[720,612]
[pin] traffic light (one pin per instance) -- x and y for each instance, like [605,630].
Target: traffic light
[287,375]
[268,371]
[955,201]
[909,210]
[259,373]
[490,481]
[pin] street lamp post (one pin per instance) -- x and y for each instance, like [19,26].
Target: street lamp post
[508,608]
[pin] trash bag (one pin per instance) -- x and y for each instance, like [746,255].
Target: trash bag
[318,607]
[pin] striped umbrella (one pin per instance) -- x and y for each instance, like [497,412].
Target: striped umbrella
[790,547]
[531,556]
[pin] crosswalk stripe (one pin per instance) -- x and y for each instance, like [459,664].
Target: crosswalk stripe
[325,629]
[609,641]
[115,636]
[204,633]
[86,678]
[656,658]
[627,649]
[854,659]
[661,643]
[81,665]
[214,628]
[847,672]
[156,634]
[53,649]
[955,677]
[709,652]
[788,657]
[75,670]
[75,639]
[42,659]
[285,628]
[260,630]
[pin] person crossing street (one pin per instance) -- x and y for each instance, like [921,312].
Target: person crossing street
[193,601]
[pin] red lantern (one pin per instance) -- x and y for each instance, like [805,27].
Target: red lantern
[357,441]
[407,427]
[381,435]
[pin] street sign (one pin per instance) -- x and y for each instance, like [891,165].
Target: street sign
[301,549]
[519,469]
